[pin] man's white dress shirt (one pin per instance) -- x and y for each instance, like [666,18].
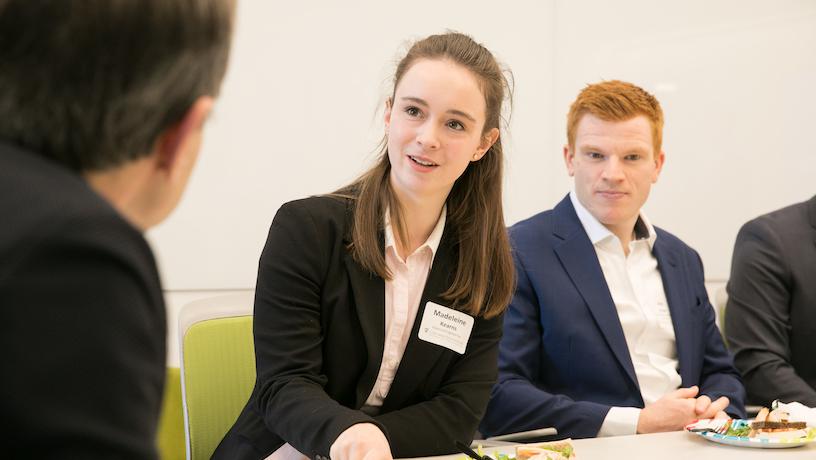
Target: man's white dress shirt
[636,287]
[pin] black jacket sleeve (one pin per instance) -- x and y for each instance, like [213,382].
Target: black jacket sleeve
[288,337]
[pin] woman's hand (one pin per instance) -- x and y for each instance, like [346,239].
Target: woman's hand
[363,441]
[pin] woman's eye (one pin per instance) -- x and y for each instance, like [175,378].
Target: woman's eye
[412,111]
[453,124]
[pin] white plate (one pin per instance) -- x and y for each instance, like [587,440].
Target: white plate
[758,442]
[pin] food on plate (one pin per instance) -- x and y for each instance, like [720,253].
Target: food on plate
[779,426]
[770,429]
[556,450]
[740,428]
[776,421]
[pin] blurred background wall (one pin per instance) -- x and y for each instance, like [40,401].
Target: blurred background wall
[301,113]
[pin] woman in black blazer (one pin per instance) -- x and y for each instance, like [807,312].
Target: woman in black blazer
[322,314]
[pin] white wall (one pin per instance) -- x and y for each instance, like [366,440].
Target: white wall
[300,113]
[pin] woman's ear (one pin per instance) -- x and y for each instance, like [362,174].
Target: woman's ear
[387,114]
[488,140]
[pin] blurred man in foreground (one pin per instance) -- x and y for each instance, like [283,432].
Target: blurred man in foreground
[102,107]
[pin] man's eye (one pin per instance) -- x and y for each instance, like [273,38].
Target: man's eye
[633,157]
[453,124]
[595,155]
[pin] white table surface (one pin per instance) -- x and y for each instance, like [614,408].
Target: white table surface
[665,446]
[679,445]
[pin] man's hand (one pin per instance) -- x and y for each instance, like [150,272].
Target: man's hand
[707,409]
[363,441]
[669,413]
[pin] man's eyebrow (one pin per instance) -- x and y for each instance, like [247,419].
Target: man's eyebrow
[589,147]
[595,148]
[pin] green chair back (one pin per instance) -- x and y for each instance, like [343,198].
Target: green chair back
[720,302]
[218,374]
[171,422]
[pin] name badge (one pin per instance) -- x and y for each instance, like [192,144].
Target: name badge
[445,327]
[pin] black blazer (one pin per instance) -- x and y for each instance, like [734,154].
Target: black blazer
[319,334]
[770,319]
[82,331]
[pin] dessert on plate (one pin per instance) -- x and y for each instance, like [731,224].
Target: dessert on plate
[776,423]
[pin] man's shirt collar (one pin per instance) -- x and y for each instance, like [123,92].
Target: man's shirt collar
[597,232]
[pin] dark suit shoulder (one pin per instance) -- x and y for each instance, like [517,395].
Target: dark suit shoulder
[46,204]
[780,236]
[532,228]
[37,195]
[51,212]
[672,240]
[686,253]
[790,221]
[795,214]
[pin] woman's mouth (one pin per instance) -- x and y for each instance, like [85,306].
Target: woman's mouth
[422,161]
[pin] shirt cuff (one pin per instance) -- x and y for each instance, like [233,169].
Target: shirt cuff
[620,421]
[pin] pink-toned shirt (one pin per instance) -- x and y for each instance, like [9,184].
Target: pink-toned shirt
[402,295]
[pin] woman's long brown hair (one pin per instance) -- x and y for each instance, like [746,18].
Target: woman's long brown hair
[483,281]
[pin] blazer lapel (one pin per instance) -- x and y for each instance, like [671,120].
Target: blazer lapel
[369,301]
[678,291]
[811,206]
[419,355]
[580,261]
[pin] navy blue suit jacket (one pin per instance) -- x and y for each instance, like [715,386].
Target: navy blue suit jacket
[563,359]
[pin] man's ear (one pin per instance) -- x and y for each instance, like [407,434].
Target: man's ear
[568,157]
[660,158]
[175,141]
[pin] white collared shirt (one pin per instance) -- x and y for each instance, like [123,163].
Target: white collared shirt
[637,290]
[402,295]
